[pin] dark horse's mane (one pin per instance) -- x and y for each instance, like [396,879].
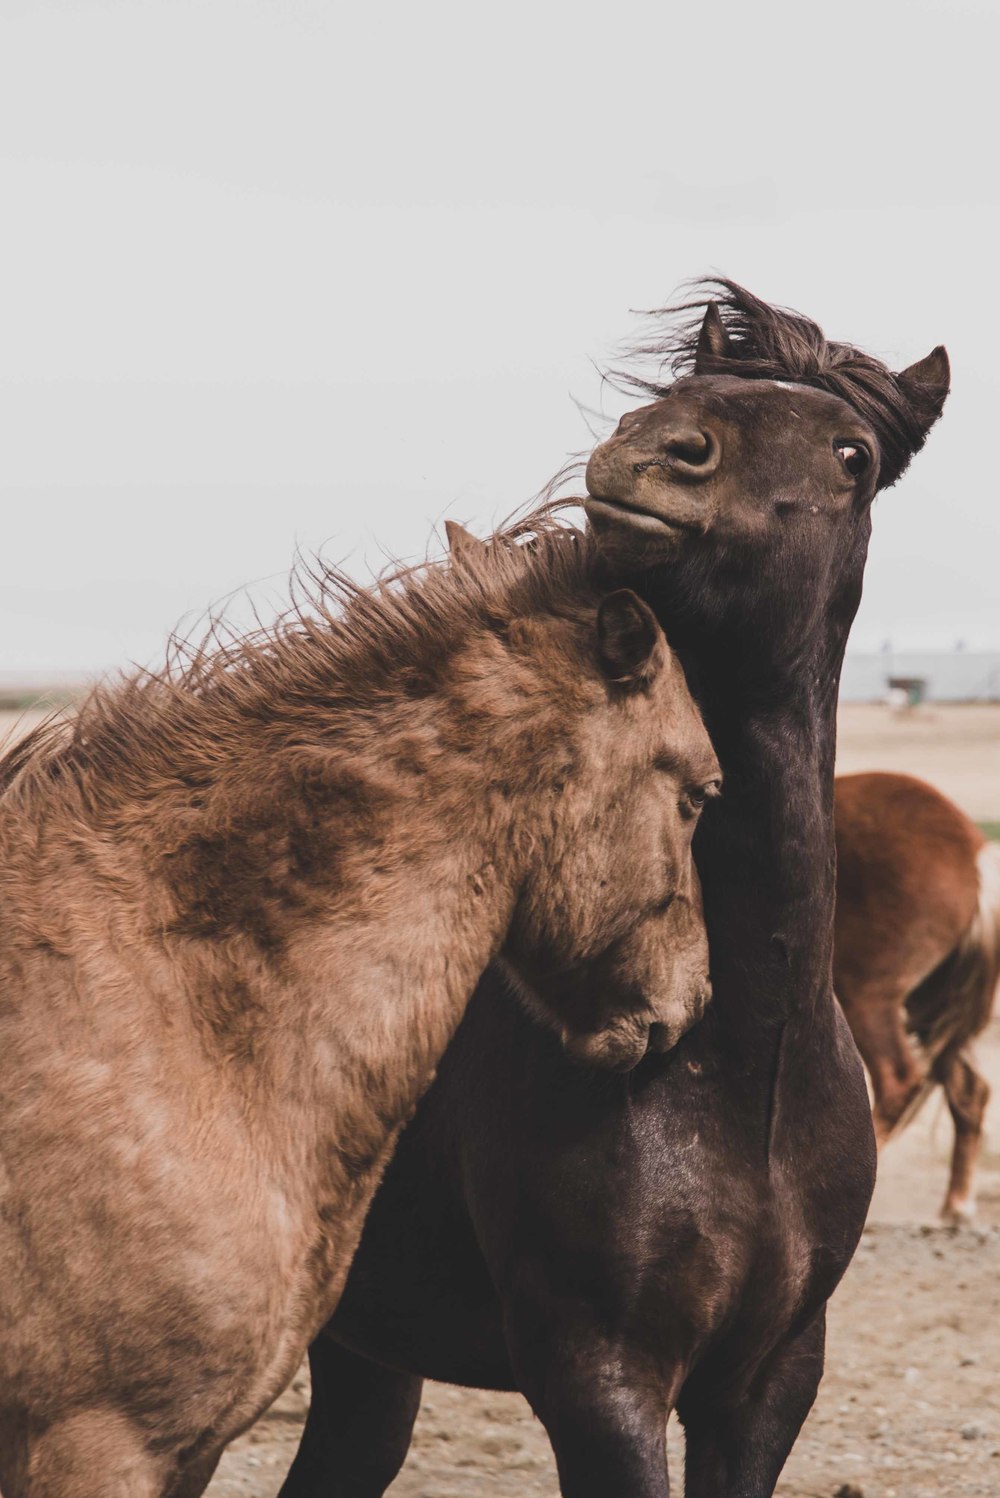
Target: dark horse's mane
[772,343]
[341,645]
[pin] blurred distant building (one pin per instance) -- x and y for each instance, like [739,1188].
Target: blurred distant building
[956,676]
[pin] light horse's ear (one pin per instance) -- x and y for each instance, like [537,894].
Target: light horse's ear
[463,546]
[926,384]
[630,643]
[713,342]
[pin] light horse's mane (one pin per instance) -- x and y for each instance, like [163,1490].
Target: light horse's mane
[766,342]
[341,645]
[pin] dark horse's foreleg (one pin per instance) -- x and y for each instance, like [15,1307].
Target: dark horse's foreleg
[359,1426]
[737,1450]
[967,1093]
[606,1421]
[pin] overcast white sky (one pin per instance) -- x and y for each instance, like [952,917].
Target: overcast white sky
[302,273]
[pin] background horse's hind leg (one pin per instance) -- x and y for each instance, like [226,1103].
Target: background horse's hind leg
[967,1094]
[877,1021]
[739,1451]
[359,1427]
[92,1454]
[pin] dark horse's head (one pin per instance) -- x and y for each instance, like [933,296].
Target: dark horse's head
[751,475]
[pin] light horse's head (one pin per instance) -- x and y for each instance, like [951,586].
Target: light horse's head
[749,479]
[607,943]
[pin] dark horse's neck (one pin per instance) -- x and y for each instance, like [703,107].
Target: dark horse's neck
[765,851]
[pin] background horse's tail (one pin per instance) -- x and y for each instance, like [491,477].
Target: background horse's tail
[954,1002]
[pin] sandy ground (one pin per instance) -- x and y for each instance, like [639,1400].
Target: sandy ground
[908,1407]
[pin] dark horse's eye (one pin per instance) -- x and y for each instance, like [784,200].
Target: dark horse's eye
[854,457]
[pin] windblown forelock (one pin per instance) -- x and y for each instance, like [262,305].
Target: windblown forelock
[773,343]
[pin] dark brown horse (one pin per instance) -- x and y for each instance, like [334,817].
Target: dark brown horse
[617,1247]
[917,954]
[243,909]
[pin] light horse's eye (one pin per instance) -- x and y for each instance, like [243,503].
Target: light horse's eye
[854,456]
[697,795]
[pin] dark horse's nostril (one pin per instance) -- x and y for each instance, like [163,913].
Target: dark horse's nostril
[689,453]
[694,448]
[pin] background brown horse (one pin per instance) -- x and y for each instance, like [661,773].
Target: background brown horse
[917,953]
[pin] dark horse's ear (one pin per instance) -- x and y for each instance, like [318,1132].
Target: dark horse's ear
[713,342]
[462,544]
[630,642]
[925,385]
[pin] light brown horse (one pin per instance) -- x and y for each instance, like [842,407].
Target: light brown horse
[917,954]
[244,905]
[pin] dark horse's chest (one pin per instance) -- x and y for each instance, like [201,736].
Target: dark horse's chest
[674,1205]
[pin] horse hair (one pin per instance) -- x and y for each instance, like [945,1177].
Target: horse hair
[773,343]
[341,644]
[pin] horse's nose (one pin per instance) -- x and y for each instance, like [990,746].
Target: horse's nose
[685,453]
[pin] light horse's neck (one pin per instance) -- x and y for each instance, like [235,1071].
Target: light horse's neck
[425,894]
[392,974]
[359,1004]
